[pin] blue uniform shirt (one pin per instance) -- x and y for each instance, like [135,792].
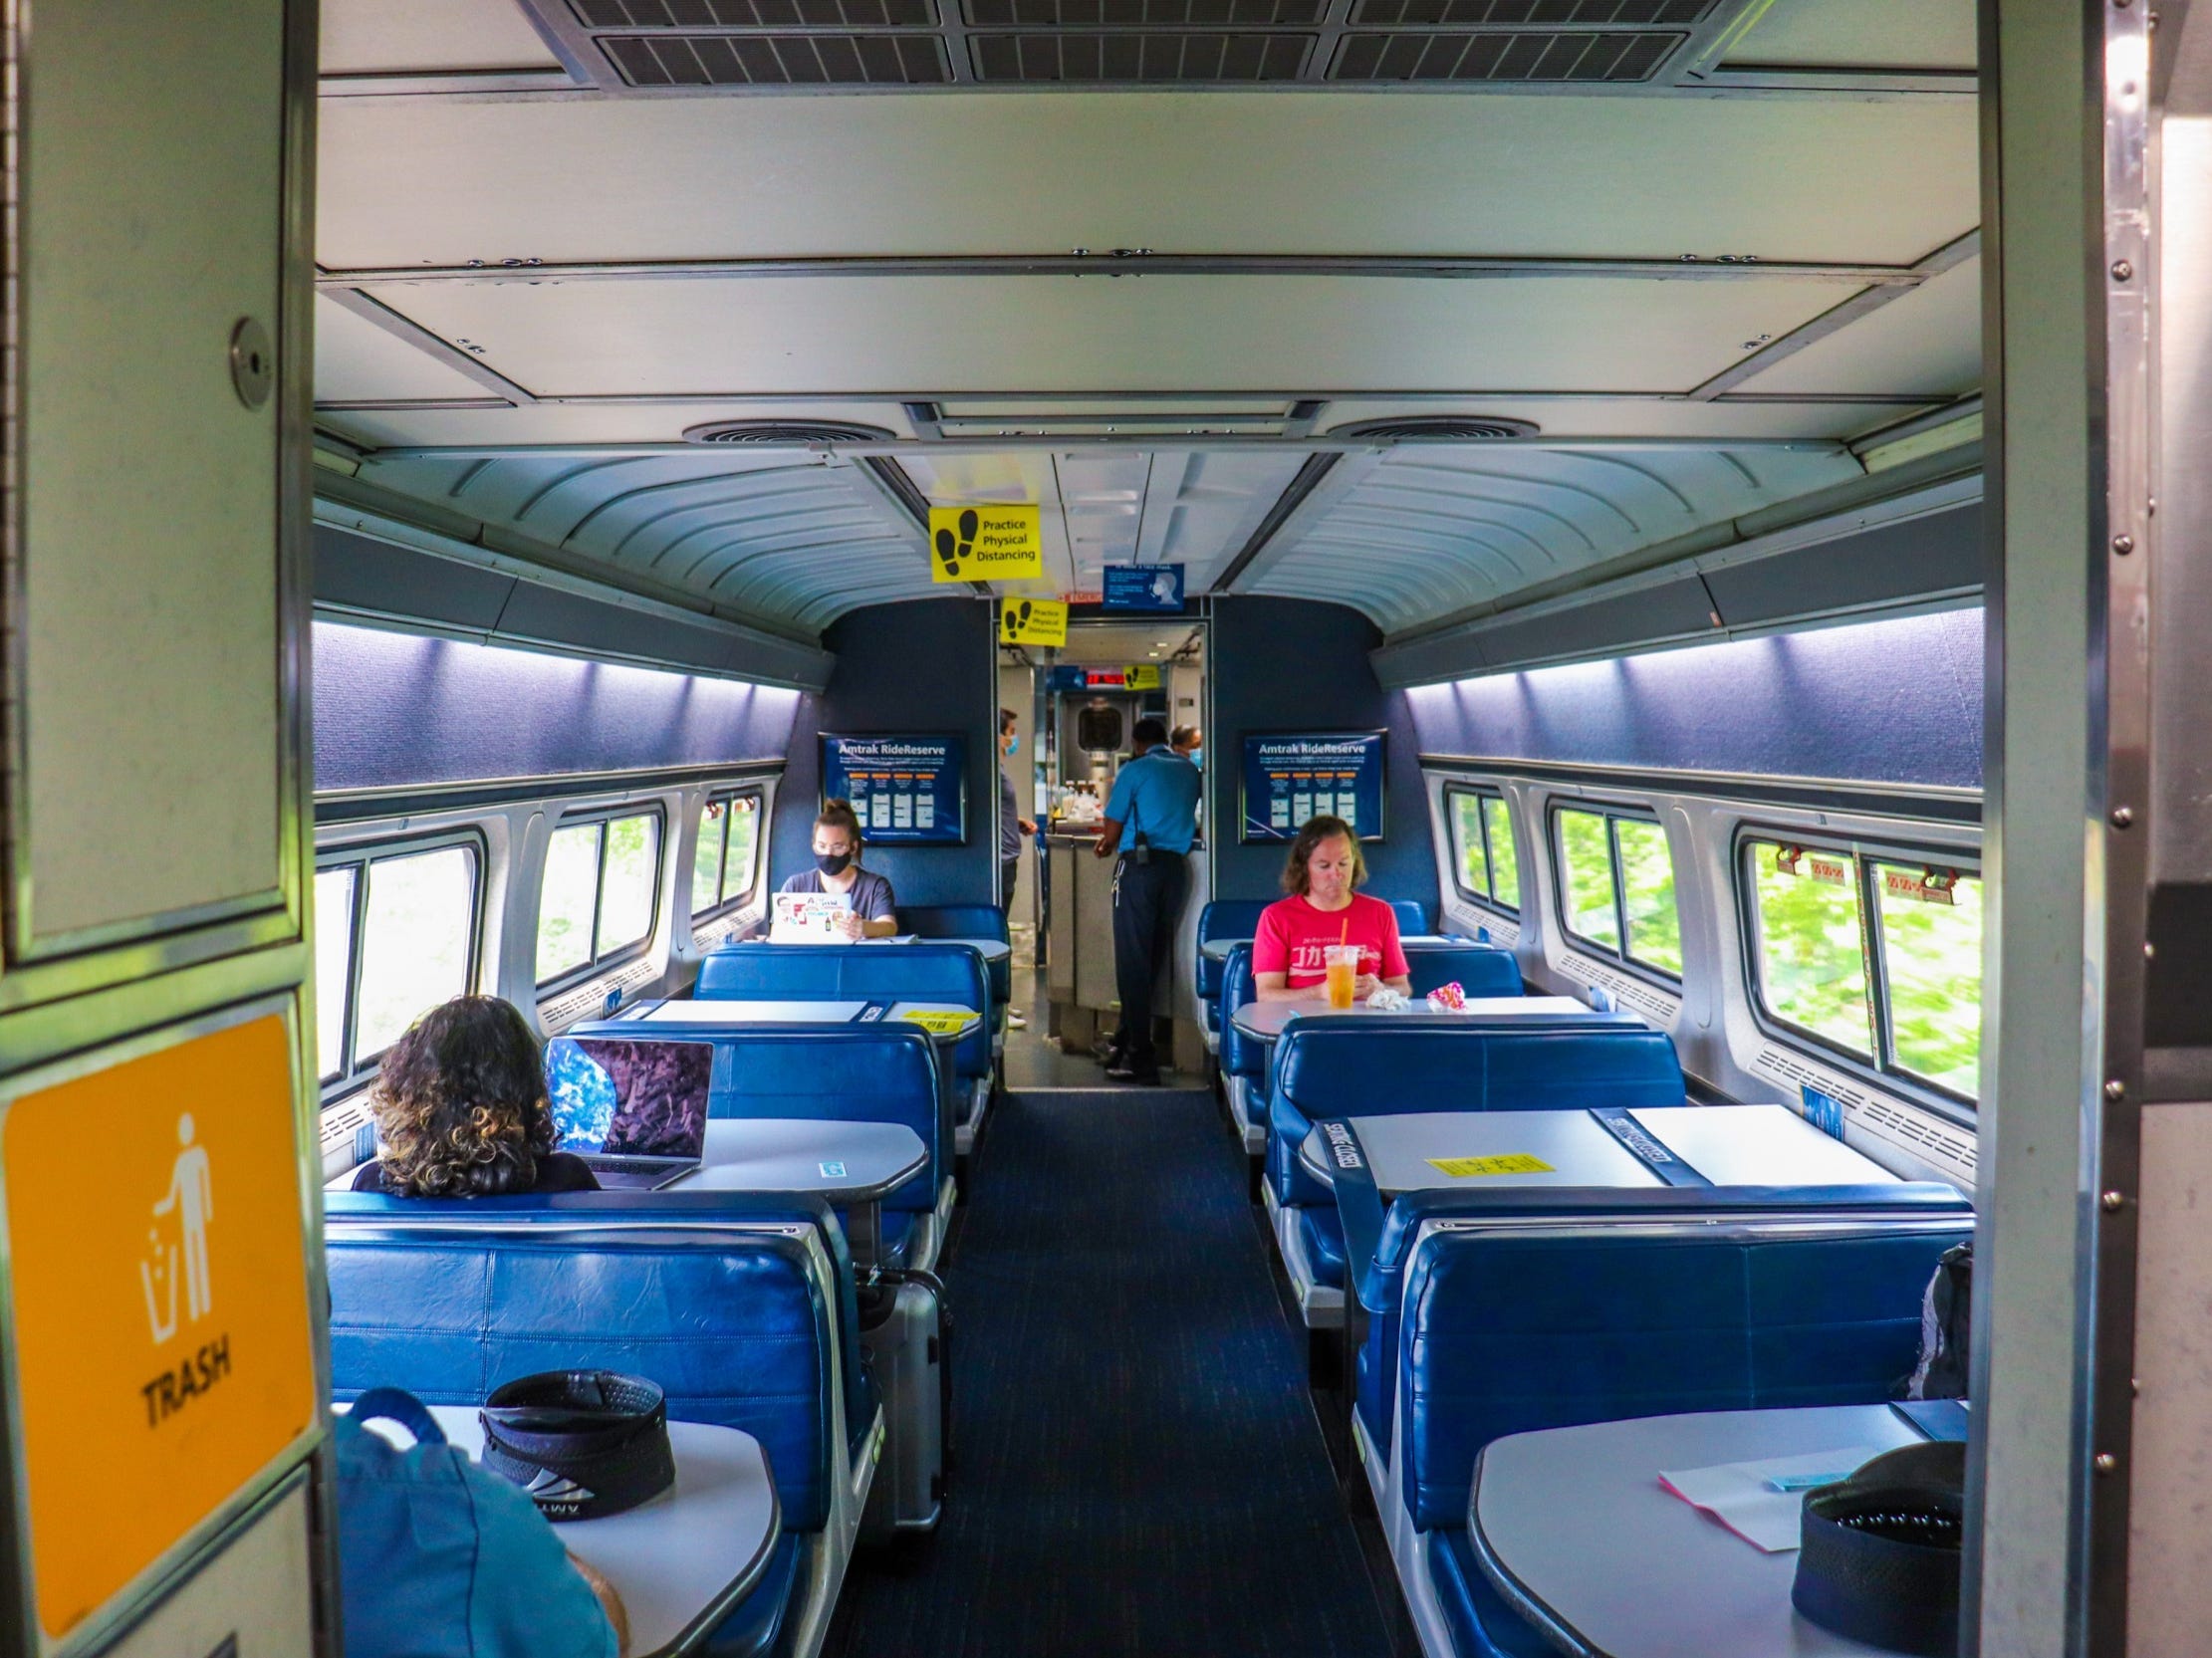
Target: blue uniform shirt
[1157,793]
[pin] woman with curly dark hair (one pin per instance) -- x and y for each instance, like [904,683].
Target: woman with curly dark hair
[460,1109]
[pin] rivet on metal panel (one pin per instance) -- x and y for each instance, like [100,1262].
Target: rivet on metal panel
[2107,1463]
[2123,545]
[2122,270]
[2114,1201]
[2115,1089]
[2123,816]
[253,361]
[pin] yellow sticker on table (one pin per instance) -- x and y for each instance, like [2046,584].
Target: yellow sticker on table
[1037,621]
[986,544]
[1513,1162]
[158,1266]
[941,1022]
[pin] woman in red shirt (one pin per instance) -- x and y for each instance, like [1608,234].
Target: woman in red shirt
[1289,960]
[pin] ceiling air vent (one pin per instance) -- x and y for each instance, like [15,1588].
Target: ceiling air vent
[1440,428]
[785,434]
[1140,59]
[1143,14]
[757,14]
[778,60]
[1477,14]
[1568,59]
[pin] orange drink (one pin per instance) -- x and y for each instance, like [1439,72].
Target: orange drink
[1341,970]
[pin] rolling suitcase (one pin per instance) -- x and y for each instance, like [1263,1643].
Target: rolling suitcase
[902,1338]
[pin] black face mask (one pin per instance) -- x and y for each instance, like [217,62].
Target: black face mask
[832,864]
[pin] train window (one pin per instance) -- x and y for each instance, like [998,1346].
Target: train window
[1505,853]
[1931,971]
[598,898]
[1648,894]
[1812,963]
[1592,912]
[1485,863]
[723,863]
[333,958]
[394,935]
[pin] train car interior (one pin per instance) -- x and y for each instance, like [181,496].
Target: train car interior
[1294,828]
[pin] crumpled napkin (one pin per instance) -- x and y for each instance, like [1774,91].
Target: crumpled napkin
[1388,1000]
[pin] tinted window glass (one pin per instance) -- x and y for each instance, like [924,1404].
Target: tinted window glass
[333,957]
[1505,855]
[706,857]
[414,941]
[737,868]
[1586,868]
[1469,864]
[1931,956]
[626,899]
[1648,888]
[1812,969]
[565,901]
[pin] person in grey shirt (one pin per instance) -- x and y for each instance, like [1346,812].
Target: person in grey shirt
[836,869]
[1011,828]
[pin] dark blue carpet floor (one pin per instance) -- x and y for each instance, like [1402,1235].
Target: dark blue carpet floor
[1139,1471]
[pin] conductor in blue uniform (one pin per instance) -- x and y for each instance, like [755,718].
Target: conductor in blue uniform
[1152,818]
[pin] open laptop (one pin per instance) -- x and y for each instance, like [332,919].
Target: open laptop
[634,1111]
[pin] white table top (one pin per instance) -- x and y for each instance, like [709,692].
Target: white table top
[1577,1519]
[1730,1145]
[1267,1020]
[1398,1150]
[1759,1145]
[1217,949]
[683,1558]
[714,1011]
[858,1161]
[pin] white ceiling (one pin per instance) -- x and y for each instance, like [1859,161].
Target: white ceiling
[550,404]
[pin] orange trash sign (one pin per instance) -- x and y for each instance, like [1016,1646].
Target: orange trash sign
[158,1269]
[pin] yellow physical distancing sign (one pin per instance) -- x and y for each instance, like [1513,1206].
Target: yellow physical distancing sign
[158,1260]
[1037,621]
[986,544]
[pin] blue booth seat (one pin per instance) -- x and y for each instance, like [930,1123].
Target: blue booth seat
[965,921]
[945,973]
[742,1310]
[1412,917]
[1478,968]
[871,1072]
[1634,1303]
[1244,1059]
[1222,918]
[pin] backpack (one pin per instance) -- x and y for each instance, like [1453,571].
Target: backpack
[1946,1313]
[442,1558]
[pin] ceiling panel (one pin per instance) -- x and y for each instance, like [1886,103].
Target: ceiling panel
[846,334]
[1421,533]
[443,181]
[1929,339]
[1863,34]
[398,37]
[357,359]
[785,534]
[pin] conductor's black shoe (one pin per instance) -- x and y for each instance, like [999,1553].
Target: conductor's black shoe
[1121,1071]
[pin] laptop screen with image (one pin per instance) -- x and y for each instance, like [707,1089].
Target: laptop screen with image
[626,1097]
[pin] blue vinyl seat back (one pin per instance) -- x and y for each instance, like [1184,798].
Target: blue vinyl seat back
[1478,968]
[873,1072]
[1222,918]
[948,973]
[1241,1056]
[722,1302]
[1388,1066]
[965,921]
[1412,917]
[1501,1331]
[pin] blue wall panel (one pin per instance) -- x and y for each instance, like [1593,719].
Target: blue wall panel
[1891,701]
[913,666]
[394,710]
[1294,664]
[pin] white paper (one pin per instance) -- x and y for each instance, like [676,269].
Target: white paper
[1736,1493]
[808,918]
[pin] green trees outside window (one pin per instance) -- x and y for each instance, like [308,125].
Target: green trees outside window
[600,890]
[1617,880]
[722,863]
[394,935]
